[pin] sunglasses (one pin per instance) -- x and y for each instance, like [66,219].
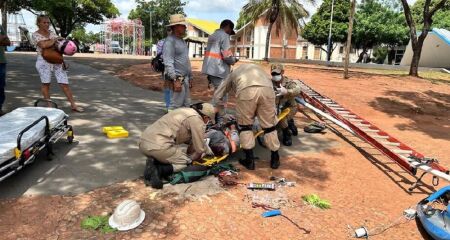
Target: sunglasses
[275,74]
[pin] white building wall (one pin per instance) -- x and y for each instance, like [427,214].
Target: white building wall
[435,53]
[259,34]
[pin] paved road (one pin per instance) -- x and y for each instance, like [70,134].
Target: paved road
[93,160]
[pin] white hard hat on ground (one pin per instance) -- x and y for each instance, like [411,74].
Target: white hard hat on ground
[128,215]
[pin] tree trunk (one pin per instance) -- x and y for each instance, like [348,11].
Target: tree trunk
[266,53]
[4,16]
[417,51]
[349,39]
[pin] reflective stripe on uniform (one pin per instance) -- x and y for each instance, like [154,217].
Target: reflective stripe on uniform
[213,55]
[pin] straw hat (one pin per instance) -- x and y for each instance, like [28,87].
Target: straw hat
[177,19]
[128,215]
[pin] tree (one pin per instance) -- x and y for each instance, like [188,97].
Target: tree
[160,11]
[377,24]
[317,30]
[428,11]
[280,13]
[441,18]
[66,15]
[349,38]
[82,36]
[243,19]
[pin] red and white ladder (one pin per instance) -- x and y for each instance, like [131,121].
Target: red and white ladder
[406,157]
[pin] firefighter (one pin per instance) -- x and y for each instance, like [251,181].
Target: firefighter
[287,90]
[218,57]
[255,98]
[161,141]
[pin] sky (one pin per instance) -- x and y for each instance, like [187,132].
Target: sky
[216,10]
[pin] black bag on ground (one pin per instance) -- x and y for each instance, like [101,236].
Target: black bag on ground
[315,128]
[158,63]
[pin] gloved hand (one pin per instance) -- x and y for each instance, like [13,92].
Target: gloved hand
[281,91]
[208,150]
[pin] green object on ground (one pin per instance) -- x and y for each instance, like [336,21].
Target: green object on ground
[314,200]
[97,223]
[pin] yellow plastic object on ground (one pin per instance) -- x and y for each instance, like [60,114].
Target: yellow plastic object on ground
[210,161]
[117,134]
[112,128]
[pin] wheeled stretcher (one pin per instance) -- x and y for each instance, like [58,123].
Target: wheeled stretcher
[25,132]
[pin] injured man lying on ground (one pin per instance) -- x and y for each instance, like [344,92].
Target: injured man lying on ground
[223,140]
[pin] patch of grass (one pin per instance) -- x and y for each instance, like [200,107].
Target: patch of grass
[314,200]
[429,75]
[97,223]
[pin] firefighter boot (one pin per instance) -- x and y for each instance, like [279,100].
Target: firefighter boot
[249,161]
[292,127]
[274,160]
[165,170]
[151,175]
[287,140]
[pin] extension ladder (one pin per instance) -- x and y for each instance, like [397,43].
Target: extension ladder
[406,157]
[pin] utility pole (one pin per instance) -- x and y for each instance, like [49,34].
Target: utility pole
[329,33]
[349,39]
[151,33]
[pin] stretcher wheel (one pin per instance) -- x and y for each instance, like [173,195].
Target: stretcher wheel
[70,139]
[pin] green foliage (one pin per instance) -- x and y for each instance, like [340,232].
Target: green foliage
[242,20]
[316,31]
[86,38]
[160,13]
[314,200]
[380,54]
[441,19]
[377,24]
[69,14]
[97,223]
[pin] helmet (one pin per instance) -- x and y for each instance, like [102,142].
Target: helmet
[206,109]
[66,47]
[127,215]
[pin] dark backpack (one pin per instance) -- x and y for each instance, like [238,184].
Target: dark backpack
[158,63]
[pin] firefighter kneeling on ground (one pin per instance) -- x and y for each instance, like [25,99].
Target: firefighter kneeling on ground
[254,98]
[161,141]
[287,90]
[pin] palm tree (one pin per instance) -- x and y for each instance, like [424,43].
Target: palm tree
[278,13]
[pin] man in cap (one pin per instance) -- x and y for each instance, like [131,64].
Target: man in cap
[177,66]
[287,90]
[161,141]
[255,98]
[218,56]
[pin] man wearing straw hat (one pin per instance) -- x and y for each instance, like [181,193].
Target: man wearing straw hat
[177,64]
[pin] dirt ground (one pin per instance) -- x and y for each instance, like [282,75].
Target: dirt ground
[363,186]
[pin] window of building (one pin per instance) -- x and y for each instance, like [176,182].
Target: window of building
[341,49]
[247,52]
[239,39]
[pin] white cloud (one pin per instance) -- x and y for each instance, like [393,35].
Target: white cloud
[124,6]
[214,6]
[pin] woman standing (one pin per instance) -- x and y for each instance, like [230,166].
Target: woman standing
[44,38]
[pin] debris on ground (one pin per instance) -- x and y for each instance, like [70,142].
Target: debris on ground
[97,223]
[314,200]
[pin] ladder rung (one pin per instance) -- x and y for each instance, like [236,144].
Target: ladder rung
[349,115]
[401,151]
[379,136]
[356,120]
[362,125]
[396,144]
[370,130]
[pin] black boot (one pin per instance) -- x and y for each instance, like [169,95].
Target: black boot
[249,161]
[151,175]
[274,160]
[287,140]
[292,127]
[165,170]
